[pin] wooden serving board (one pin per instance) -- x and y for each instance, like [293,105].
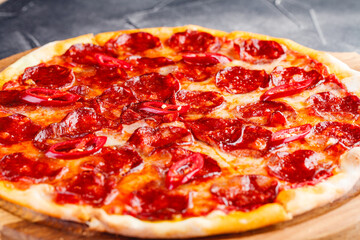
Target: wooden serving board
[335,221]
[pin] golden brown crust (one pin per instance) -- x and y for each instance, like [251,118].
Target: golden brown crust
[288,203]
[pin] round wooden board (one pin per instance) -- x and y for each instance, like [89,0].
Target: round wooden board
[335,221]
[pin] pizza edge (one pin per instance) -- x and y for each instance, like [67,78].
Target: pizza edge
[288,203]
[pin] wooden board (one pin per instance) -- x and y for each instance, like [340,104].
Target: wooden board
[338,220]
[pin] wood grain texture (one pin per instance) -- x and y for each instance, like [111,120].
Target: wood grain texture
[338,220]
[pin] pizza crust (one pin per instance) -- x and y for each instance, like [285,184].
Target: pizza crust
[288,203]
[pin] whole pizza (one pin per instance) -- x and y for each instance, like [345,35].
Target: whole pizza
[177,132]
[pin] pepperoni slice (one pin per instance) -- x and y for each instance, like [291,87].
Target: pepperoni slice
[199,101]
[232,135]
[153,86]
[258,51]
[80,90]
[53,76]
[331,134]
[239,80]
[86,187]
[135,42]
[179,173]
[301,166]
[263,113]
[205,59]
[10,98]
[17,167]
[77,148]
[78,123]
[112,101]
[119,160]
[17,128]
[147,139]
[245,192]
[194,41]
[326,104]
[146,62]
[48,97]
[84,53]
[154,202]
[280,75]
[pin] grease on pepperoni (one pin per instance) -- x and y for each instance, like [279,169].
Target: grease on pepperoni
[245,192]
[199,101]
[87,187]
[239,80]
[232,135]
[281,76]
[258,51]
[153,86]
[264,112]
[152,63]
[191,40]
[10,98]
[147,139]
[155,202]
[17,128]
[18,167]
[52,76]
[301,166]
[102,76]
[134,42]
[327,105]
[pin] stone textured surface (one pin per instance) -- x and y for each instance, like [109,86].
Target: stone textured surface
[329,25]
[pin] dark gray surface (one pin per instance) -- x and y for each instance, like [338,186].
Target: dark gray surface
[330,25]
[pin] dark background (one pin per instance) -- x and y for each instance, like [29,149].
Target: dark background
[330,25]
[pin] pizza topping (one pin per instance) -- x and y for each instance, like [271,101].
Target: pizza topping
[154,202]
[77,148]
[184,170]
[135,42]
[81,90]
[107,61]
[17,128]
[194,41]
[153,86]
[103,76]
[48,97]
[78,123]
[280,75]
[86,187]
[232,135]
[245,192]
[205,59]
[146,62]
[147,139]
[298,167]
[327,103]
[53,76]
[17,167]
[10,98]
[85,53]
[286,90]
[160,108]
[290,134]
[258,51]
[194,73]
[335,133]
[188,166]
[199,101]
[120,160]
[239,80]
[266,112]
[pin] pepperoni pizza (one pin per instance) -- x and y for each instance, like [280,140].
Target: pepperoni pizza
[177,132]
